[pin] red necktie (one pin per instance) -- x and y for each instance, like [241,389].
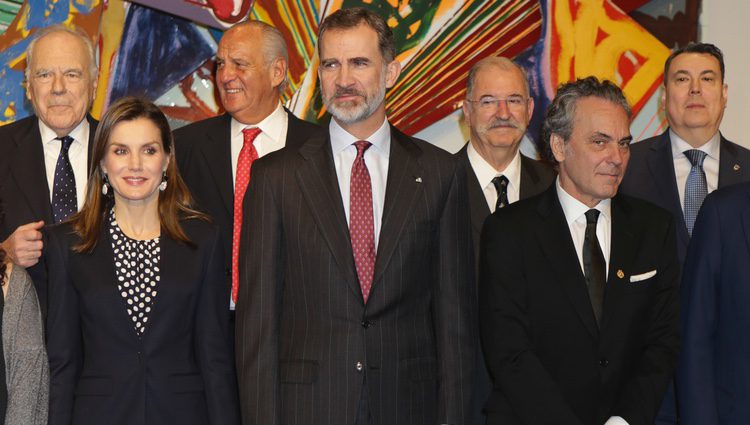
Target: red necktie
[248,154]
[361,225]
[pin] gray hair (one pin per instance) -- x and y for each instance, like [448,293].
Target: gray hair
[561,112]
[273,45]
[344,19]
[499,61]
[74,31]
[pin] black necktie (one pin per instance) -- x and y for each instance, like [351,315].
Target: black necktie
[594,265]
[64,202]
[501,185]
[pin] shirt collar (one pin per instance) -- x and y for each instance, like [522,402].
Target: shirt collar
[574,209]
[679,146]
[272,125]
[486,172]
[79,133]
[342,139]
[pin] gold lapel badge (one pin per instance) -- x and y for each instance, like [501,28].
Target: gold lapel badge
[620,274]
[736,167]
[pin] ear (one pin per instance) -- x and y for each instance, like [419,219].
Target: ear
[102,167]
[467,110]
[278,72]
[530,108]
[725,93]
[392,71]
[166,163]
[557,144]
[663,97]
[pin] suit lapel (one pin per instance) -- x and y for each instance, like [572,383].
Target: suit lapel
[217,151]
[730,165]
[531,181]
[554,236]
[746,224]
[622,252]
[401,191]
[477,202]
[320,188]
[28,171]
[661,166]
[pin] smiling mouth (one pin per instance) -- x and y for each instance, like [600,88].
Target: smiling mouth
[232,91]
[135,181]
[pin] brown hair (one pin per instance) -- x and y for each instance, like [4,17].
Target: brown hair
[175,202]
[343,19]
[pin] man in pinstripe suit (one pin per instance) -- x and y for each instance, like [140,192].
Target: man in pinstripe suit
[376,334]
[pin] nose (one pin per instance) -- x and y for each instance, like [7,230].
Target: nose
[343,76]
[503,111]
[58,83]
[617,154]
[225,74]
[134,162]
[695,86]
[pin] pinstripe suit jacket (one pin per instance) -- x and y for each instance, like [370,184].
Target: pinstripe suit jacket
[305,338]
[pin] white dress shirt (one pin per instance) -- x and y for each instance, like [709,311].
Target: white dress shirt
[376,159]
[272,137]
[575,216]
[682,164]
[486,172]
[77,154]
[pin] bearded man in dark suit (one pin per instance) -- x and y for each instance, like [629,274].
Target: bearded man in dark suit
[578,285]
[44,158]
[251,73]
[356,275]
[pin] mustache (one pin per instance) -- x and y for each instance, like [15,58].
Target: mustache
[502,123]
[347,91]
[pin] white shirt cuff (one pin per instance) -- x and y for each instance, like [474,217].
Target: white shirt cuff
[616,420]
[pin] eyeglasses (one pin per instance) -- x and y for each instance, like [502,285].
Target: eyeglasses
[492,103]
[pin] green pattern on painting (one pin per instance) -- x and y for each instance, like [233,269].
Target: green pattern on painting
[8,11]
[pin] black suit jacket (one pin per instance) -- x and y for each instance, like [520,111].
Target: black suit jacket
[179,371]
[650,176]
[23,186]
[535,178]
[549,361]
[306,340]
[203,153]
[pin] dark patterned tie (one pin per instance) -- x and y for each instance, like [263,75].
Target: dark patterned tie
[501,186]
[361,222]
[594,265]
[64,202]
[696,187]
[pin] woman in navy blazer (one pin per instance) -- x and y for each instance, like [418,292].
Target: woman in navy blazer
[138,322]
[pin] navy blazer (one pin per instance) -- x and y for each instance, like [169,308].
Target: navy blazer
[713,375]
[179,371]
[24,191]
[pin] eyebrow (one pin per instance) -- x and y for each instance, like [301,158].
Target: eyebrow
[599,134]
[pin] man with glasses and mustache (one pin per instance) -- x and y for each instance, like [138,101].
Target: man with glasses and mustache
[355,302]
[44,158]
[497,109]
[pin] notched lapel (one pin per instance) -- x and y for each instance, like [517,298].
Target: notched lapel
[217,152]
[554,237]
[661,166]
[730,164]
[28,171]
[623,250]
[746,225]
[320,188]
[404,185]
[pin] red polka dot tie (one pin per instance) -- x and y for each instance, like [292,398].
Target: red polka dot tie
[248,154]
[361,224]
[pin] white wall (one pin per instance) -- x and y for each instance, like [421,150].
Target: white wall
[726,24]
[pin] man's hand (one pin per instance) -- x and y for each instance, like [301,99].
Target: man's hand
[24,246]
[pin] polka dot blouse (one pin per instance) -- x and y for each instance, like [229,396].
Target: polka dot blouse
[137,271]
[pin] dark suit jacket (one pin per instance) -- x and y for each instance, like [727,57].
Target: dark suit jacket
[535,178]
[549,361]
[179,371]
[306,340]
[713,372]
[23,186]
[203,153]
[650,176]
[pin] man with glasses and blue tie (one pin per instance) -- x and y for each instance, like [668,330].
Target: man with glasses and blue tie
[498,109]
[44,158]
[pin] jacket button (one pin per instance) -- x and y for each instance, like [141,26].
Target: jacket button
[359,366]
[366,324]
[603,362]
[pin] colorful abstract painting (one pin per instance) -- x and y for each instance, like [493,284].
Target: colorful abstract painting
[163,49]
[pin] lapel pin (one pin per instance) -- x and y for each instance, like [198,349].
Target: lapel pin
[620,274]
[418,180]
[736,167]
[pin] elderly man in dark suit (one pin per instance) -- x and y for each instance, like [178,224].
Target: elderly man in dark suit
[497,109]
[678,168]
[215,155]
[355,300]
[578,285]
[44,158]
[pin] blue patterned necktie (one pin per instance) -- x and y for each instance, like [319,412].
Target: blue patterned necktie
[501,186]
[64,202]
[696,187]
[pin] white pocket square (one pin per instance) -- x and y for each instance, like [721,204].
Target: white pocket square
[642,276]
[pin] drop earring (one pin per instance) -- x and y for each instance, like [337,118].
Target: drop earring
[163,184]
[105,185]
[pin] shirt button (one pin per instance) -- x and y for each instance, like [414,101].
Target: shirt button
[603,362]
[366,324]
[359,367]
